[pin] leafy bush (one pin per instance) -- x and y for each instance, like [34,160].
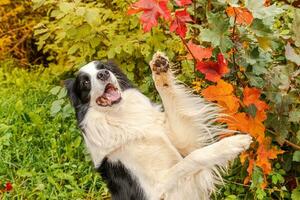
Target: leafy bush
[16,31]
[254,56]
[75,32]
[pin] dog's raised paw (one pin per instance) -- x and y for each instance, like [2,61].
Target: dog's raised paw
[159,63]
[241,141]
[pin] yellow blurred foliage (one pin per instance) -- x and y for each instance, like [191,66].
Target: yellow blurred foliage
[16,29]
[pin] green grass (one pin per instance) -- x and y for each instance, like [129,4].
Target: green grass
[41,154]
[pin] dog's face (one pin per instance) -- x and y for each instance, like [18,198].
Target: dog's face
[97,84]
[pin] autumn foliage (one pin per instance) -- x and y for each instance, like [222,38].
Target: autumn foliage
[214,52]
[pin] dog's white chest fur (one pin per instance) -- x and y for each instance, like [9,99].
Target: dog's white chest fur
[135,117]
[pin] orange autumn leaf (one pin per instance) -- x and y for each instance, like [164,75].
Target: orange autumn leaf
[265,153]
[223,94]
[243,15]
[247,180]
[238,122]
[250,166]
[245,123]
[251,96]
[251,163]
[243,156]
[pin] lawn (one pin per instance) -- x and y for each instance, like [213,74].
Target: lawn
[42,152]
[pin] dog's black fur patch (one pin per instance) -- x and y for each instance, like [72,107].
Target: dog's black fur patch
[79,93]
[121,183]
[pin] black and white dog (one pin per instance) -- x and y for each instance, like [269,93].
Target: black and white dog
[141,152]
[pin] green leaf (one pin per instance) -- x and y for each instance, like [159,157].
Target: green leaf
[35,118]
[67,111]
[218,32]
[296,156]
[56,107]
[260,11]
[66,7]
[274,179]
[260,29]
[73,48]
[77,142]
[231,197]
[295,27]
[294,116]
[291,55]
[255,81]
[62,93]
[92,17]
[95,41]
[296,194]
[24,173]
[251,110]
[55,90]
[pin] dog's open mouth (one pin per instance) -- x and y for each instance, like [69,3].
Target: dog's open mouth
[110,96]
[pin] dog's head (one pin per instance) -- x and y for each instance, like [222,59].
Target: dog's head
[97,84]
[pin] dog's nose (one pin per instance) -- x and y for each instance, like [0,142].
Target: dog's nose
[103,75]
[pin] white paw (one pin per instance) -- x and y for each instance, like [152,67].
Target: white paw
[238,143]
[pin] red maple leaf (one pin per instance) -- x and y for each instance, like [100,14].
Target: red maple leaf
[213,70]
[179,22]
[183,2]
[242,15]
[198,52]
[152,10]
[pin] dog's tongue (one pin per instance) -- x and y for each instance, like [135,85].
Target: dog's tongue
[112,95]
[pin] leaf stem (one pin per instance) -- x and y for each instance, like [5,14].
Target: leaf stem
[295,146]
[187,46]
[234,49]
[233,39]
[209,5]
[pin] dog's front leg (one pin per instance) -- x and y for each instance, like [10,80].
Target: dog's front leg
[217,154]
[189,118]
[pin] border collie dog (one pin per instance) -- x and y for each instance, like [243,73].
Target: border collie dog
[142,152]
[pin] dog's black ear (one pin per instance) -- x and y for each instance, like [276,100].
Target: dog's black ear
[70,86]
[124,82]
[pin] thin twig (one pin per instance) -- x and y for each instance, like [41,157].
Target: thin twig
[20,42]
[16,29]
[285,140]
[187,46]
[209,5]
[234,50]
[195,8]
[233,39]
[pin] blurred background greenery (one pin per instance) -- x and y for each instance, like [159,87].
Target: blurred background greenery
[43,42]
